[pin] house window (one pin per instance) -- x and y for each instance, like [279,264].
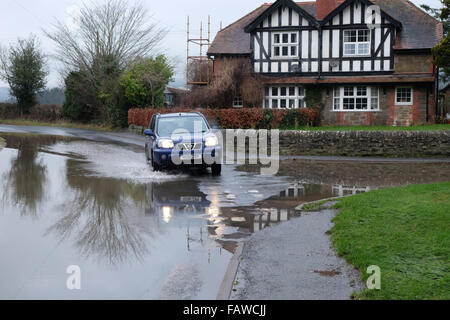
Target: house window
[356,42]
[238,102]
[359,98]
[404,96]
[169,98]
[285,45]
[284,97]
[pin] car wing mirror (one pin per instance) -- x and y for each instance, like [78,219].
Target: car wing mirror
[149,133]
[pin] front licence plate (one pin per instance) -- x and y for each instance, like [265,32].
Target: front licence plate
[191,157]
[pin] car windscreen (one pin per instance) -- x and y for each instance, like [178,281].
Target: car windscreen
[170,125]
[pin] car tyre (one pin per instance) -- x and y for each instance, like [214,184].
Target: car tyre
[155,166]
[147,155]
[216,169]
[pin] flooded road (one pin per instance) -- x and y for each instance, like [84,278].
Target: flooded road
[93,202]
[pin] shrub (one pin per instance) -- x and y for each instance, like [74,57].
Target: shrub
[79,97]
[290,119]
[278,116]
[9,110]
[48,112]
[246,118]
[267,119]
[240,118]
[145,81]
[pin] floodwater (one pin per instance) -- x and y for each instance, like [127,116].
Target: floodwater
[136,234]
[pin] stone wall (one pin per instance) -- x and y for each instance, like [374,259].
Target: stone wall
[391,144]
[366,143]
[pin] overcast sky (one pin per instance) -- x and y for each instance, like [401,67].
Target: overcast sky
[19,18]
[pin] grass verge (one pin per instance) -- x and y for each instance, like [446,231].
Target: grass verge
[406,232]
[63,124]
[431,127]
[314,206]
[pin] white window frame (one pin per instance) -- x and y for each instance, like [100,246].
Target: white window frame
[298,97]
[289,44]
[397,103]
[238,102]
[357,43]
[338,97]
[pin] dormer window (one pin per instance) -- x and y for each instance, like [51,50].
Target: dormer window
[356,42]
[285,45]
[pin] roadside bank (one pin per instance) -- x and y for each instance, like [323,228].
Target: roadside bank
[295,261]
[325,253]
[405,231]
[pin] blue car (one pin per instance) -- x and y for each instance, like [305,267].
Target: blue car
[182,140]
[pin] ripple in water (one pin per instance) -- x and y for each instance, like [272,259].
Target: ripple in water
[107,160]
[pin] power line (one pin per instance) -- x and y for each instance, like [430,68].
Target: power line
[29,12]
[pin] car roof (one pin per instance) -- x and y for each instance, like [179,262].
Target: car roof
[180,114]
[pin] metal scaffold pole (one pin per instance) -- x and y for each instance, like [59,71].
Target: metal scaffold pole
[198,61]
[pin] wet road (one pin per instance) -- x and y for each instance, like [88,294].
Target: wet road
[77,197]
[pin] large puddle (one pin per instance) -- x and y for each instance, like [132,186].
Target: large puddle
[136,234]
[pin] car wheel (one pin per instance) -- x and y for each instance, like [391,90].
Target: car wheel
[146,155]
[155,166]
[216,169]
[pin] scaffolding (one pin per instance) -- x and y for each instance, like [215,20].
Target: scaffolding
[201,58]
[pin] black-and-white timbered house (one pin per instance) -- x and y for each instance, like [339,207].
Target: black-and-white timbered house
[370,60]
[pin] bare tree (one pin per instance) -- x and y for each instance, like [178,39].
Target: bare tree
[104,40]
[200,70]
[113,29]
[236,78]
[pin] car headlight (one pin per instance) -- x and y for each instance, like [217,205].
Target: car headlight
[166,144]
[211,141]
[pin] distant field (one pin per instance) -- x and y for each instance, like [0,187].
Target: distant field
[433,127]
[406,232]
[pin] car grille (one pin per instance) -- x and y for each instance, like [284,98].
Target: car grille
[190,146]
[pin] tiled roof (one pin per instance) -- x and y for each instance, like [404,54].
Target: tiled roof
[174,90]
[419,30]
[233,39]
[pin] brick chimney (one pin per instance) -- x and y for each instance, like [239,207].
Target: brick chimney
[324,7]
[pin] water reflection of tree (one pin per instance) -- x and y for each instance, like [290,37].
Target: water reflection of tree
[100,216]
[24,183]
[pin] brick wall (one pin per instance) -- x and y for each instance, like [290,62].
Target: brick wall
[389,114]
[411,63]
